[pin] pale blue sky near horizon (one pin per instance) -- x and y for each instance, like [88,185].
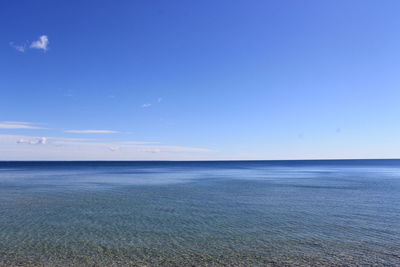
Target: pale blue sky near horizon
[199,79]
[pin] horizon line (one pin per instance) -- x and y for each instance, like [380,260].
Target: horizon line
[214,160]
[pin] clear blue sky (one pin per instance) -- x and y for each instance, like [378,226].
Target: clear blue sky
[199,79]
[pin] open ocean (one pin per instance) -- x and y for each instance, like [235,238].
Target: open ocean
[233,213]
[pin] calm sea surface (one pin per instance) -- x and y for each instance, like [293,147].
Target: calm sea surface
[254,213]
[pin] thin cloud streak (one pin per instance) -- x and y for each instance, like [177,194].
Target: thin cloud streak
[147,105]
[18,125]
[37,141]
[20,147]
[91,131]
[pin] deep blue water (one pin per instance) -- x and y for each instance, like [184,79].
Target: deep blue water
[237,213]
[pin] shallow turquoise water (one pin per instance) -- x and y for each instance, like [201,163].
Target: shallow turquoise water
[200,213]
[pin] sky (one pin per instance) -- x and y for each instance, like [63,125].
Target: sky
[199,80]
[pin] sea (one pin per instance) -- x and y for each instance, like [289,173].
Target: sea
[204,213]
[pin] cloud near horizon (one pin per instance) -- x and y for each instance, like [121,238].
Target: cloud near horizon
[38,141]
[18,125]
[18,147]
[91,131]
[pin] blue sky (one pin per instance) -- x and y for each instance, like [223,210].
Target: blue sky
[183,80]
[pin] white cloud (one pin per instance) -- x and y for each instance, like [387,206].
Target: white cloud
[150,150]
[18,125]
[20,147]
[146,105]
[42,141]
[113,148]
[19,48]
[42,43]
[37,141]
[91,131]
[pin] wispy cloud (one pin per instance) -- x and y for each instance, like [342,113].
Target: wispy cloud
[42,43]
[91,131]
[37,141]
[18,125]
[21,147]
[19,48]
[146,105]
[113,148]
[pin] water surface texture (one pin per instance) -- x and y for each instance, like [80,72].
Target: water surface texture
[254,213]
